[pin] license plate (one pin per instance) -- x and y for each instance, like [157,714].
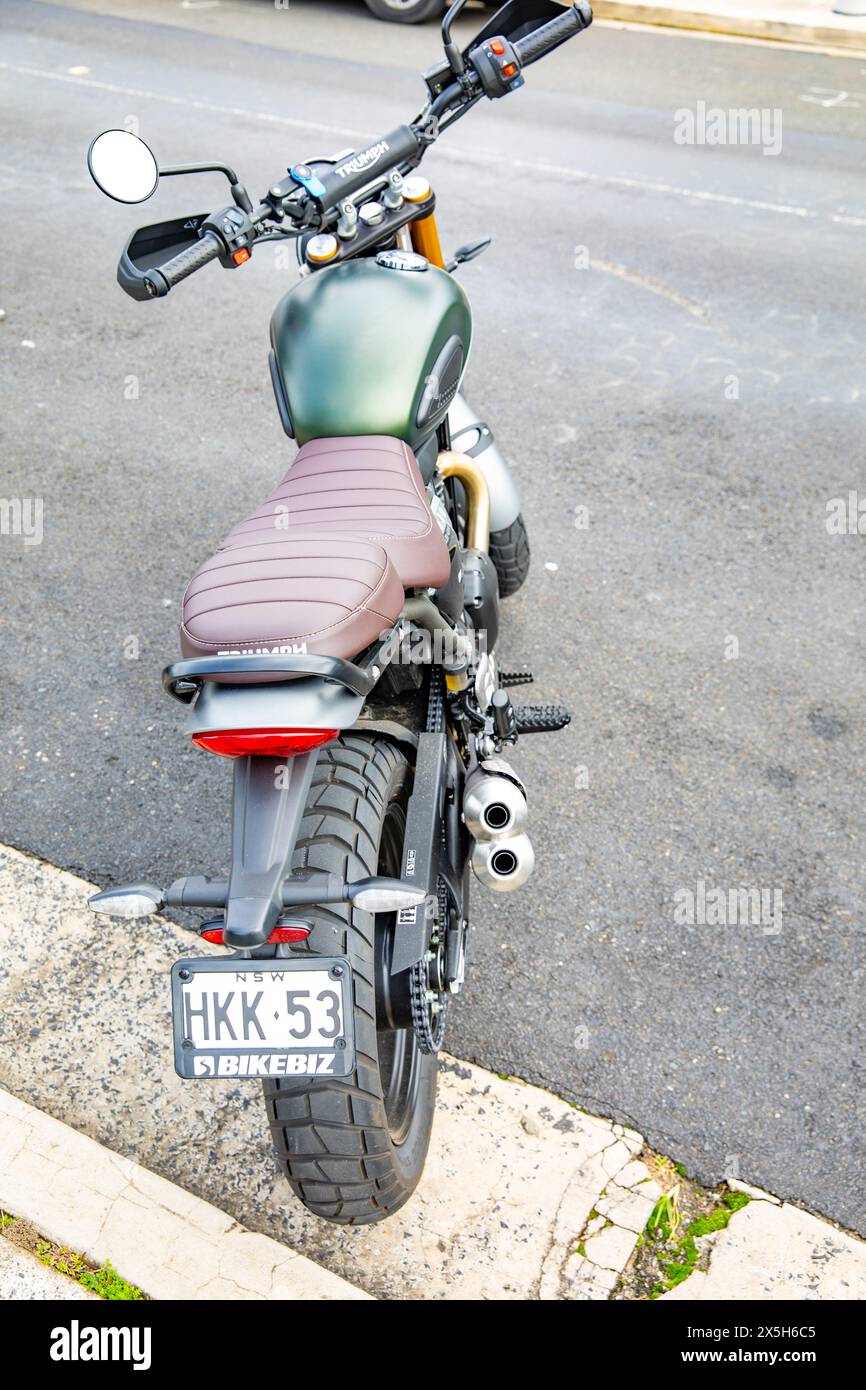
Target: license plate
[274,1017]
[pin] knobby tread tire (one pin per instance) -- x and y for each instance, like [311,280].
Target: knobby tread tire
[331,1134]
[509,551]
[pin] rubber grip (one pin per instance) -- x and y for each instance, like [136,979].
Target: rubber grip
[549,36]
[187,262]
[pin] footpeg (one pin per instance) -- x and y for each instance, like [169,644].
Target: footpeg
[541,719]
[516,678]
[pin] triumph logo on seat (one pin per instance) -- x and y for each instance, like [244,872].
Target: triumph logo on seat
[287,649]
[362,161]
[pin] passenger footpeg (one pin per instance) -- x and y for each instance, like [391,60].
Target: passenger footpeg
[541,719]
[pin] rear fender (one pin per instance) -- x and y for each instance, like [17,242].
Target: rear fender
[269,793]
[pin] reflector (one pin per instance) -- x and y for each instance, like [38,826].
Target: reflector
[242,743]
[215,934]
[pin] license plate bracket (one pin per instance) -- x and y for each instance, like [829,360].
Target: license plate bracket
[243,1018]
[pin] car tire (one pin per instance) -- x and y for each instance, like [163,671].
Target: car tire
[406,11]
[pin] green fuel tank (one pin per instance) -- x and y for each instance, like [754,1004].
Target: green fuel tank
[370,346]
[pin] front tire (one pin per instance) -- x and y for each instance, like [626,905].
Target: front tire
[353,1148]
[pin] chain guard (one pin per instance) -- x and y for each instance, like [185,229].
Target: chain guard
[430,1004]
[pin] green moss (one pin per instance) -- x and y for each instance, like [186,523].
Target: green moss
[735,1201]
[685,1252]
[581,1248]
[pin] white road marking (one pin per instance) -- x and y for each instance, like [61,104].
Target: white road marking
[484,157]
[828,97]
[700,194]
[146,94]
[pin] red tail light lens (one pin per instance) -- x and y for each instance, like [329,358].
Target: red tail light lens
[241,743]
[215,934]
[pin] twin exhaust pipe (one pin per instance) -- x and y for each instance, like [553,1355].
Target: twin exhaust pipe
[495,814]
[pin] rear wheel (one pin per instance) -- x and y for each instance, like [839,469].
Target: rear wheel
[353,1148]
[407,11]
[509,551]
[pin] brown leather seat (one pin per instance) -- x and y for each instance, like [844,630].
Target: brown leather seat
[322,565]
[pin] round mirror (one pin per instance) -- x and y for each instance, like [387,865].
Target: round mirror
[123,166]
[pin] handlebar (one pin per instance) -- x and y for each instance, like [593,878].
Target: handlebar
[551,35]
[402,146]
[315,194]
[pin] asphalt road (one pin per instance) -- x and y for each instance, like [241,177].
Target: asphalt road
[670,336]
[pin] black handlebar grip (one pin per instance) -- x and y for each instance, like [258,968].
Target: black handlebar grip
[363,166]
[161,278]
[549,36]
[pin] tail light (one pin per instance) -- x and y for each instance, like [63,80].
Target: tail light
[279,934]
[242,743]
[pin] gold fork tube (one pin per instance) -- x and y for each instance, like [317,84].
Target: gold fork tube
[453,465]
[425,239]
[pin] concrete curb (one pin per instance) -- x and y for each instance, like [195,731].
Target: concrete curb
[809,24]
[168,1242]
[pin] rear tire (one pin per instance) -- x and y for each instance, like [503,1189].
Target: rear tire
[509,551]
[353,1148]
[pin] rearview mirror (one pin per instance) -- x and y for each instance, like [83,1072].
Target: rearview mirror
[123,166]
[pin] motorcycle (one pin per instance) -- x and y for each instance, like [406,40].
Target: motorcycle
[340,649]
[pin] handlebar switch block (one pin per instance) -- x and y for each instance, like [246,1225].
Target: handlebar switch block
[497,67]
[234,229]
